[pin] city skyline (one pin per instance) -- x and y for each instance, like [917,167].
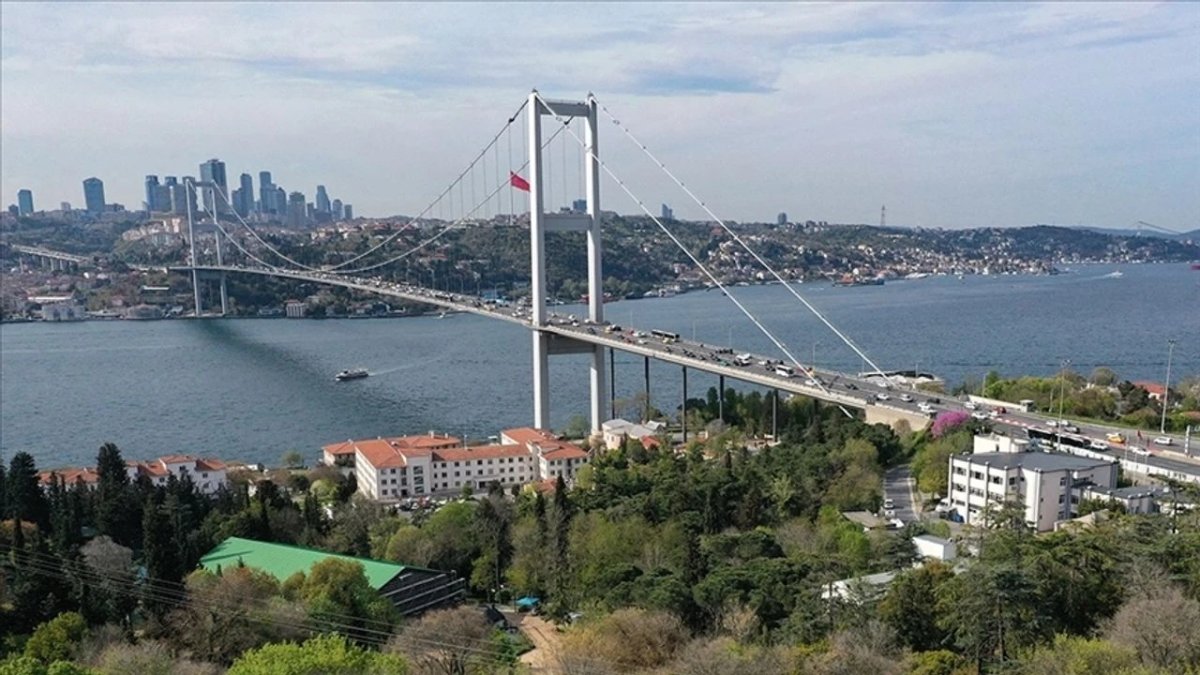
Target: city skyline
[952,115]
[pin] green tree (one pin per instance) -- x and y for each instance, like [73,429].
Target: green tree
[910,606]
[113,499]
[323,655]
[23,495]
[57,639]
[1072,655]
[337,593]
[991,611]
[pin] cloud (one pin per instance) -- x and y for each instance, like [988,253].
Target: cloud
[954,114]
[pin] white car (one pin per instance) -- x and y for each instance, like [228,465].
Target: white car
[1098,445]
[970,406]
[979,415]
[882,397]
[1139,450]
[924,407]
[889,504]
[1163,440]
[906,398]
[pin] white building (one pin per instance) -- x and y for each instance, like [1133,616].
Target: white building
[389,469]
[208,474]
[1048,485]
[936,548]
[63,311]
[294,309]
[998,443]
[615,431]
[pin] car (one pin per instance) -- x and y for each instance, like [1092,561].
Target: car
[889,503]
[1098,445]
[1163,440]
[851,386]
[935,400]
[979,415]
[889,513]
[924,407]
[1070,428]
[906,398]
[970,406]
[1115,438]
[1051,423]
[881,397]
[1137,450]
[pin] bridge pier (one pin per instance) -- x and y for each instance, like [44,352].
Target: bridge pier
[217,235]
[192,250]
[541,222]
[683,408]
[775,416]
[721,398]
[612,382]
[646,411]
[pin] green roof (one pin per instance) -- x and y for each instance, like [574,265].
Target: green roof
[282,561]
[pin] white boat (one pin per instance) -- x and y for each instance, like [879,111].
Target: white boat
[351,374]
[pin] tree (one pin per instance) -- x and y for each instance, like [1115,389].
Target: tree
[494,522]
[337,593]
[23,495]
[113,497]
[230,613]
[1103,376]
[323,655]
[110,565]
[1072,655]
[626,640]
[990,611]
[160,557]
[292,460]
[451,641]
[910,606]
[57,639]
[1162,626]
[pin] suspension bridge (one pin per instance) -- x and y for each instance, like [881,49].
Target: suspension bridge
[487,179]
[496,174]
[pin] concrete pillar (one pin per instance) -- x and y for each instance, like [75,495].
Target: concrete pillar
[683,408]
[721,397]
[541,380]
[220,245]
[646,412]
[537,266]
[597,388]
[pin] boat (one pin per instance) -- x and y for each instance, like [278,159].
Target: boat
[1196,267]
[1114,275]
[351,374]
[851,280]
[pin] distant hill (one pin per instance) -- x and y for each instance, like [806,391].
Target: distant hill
[1193,235]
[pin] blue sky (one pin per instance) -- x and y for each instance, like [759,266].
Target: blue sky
[953,115]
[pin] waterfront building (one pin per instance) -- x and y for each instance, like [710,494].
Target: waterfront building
[615,431]
[1047,485]
[213,171]
[209,475]
[389,469]
[93,195]
[63,311]
[25,202]
[411,590]
[294,309]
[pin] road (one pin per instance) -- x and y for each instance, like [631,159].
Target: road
[898,486]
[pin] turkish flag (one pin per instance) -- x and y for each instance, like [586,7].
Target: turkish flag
[518,182]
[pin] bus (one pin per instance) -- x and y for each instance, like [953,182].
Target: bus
[1053,438]
[666,336]
[784,371]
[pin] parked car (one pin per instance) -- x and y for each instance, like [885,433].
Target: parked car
[1163,440]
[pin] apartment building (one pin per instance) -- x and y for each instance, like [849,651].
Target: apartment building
[208,474]
[1048,485]
[390,469]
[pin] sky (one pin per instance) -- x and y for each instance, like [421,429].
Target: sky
[952,115]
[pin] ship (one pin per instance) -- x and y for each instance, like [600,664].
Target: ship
[849,280]
[351,374]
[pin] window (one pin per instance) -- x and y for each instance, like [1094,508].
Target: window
[959,471]
[997,480]
[1062,481]
[977,475]
[1012,480]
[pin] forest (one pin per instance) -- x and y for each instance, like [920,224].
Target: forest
[709,560]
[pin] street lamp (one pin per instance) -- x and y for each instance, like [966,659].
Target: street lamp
[1162,427]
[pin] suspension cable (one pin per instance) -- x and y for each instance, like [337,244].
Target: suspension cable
[849,343]
[765,331]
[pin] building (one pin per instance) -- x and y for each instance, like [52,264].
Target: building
[152,186]
[1134,499]
[297,214]
[25,202]
[411,590]
[182,193]
[984,443]
[294,309]
[401,467]
[213,171]
[93,195]
[667,213]
[615,431]
[209,474]
[1154,390]
[936,548]
[322,200]
[246,204]
[781,219]
[348,212]
[338,209]
[1048,486]
[266,192]
[579,206]
[63,311]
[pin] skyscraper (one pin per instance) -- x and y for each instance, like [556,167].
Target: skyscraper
[25,202]
[151,190]
[337,209]
[296,211]
[348,211]
[266,192]
[322,200]
[93,194]
[213,171]
[179,194]
[280,203]
[781,219]
[246,203]
[667,213]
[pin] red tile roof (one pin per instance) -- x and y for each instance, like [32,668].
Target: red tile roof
[480,452]
[69,476]
[1151,388]
[526,435]
[209,464]
[380,453]
[176,459]
[565,451]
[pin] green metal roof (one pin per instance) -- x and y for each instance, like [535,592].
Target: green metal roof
[282,561]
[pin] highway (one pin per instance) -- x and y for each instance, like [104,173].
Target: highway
[842,389]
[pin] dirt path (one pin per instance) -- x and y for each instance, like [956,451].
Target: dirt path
[546,643]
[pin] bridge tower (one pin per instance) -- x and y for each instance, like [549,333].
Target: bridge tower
[540,222]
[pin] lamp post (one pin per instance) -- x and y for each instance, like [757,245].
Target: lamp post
[1162,427]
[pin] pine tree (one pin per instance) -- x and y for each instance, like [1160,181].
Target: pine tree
[160,556]
[114,496]
[23,494]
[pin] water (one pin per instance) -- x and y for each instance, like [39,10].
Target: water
[254,389]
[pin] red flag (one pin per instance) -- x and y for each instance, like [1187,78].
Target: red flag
[518,182]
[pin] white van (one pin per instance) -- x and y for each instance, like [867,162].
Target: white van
[784,371]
